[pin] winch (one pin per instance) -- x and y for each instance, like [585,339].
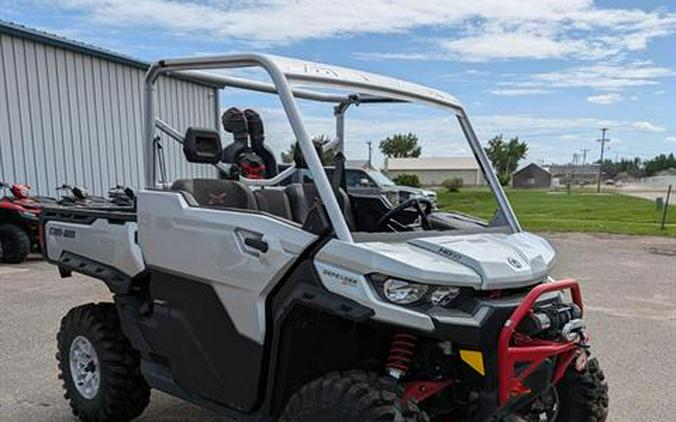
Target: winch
[553,320]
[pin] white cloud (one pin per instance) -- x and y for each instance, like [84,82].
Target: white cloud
[488,29]
[671,139]
[606,77]
[504,45]
[647,127]
[519,92]
[605,99]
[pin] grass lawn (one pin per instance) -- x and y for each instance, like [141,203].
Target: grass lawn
[579,211]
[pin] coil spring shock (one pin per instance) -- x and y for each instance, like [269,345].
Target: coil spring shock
[401,354]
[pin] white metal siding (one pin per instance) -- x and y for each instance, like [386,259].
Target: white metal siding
[436,177]
[67,117]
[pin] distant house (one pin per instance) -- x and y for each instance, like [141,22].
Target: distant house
[432,171]
[532,176]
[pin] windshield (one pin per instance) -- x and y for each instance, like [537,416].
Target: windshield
[379,178]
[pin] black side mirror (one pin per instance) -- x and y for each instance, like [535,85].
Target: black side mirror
[202,145]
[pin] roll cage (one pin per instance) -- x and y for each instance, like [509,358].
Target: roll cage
[367,88]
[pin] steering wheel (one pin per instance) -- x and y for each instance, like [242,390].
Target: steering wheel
[416,204]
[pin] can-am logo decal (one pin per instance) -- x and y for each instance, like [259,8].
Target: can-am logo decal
[59,232]
[514,263]
[342,278]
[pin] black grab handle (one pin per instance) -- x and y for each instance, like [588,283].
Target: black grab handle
[256,244]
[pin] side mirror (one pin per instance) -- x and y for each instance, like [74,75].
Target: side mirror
[202,145]
[364,182]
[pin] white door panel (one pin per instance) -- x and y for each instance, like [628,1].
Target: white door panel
[209,245]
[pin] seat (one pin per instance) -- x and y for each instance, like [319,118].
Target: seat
[217,193]
[274,201]
[302,197]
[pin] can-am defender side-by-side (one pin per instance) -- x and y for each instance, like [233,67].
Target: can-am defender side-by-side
[305,303]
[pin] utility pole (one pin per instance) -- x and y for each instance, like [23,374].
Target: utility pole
[370,144]
[603,141]
[584,155]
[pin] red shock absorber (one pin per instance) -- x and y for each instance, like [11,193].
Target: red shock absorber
[401,354]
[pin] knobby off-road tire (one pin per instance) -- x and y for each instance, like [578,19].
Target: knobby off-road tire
[583,396]
[16,243]
[351,397]
[121,393]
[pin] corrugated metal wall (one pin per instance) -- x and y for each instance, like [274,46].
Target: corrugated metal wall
[67,117]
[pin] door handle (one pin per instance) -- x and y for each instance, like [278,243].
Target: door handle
[257,244]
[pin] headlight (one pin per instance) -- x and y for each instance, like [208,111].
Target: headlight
[403,292]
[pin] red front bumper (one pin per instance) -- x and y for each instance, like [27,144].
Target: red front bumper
[533,352]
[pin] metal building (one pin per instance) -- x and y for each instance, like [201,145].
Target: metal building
[532,176]
[71,113]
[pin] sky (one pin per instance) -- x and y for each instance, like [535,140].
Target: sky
[552,72]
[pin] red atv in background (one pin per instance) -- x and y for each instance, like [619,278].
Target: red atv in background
[19,218]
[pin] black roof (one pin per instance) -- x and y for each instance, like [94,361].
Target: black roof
[530,166]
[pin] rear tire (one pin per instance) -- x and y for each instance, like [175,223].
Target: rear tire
[351,397]
[16,243]
[583,396]
[106,385]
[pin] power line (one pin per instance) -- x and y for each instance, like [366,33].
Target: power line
[603,142]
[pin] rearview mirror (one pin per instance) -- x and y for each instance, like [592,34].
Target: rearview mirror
[202,145]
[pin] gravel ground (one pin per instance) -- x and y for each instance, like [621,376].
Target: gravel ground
[629,285]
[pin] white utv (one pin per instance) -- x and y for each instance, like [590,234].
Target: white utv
[302,303]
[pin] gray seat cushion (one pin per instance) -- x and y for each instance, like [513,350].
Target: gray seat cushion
[304,196]
[274,201]
[218,193]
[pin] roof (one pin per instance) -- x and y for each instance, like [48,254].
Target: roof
[62,42]
[367,86]
[531,165]
[432,163]
[21,31]
[366,82]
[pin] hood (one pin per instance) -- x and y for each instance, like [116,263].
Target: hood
[484,261]
[410,190]
[501,260]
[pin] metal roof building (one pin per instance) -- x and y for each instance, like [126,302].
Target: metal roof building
[71,113]
[432,171]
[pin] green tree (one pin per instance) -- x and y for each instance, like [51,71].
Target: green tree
[407,180]
[401,146]
[660,163]
[505,156]
[453,184]
[622,168]
[328,155]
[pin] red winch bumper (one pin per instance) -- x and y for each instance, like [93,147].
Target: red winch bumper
[532,352]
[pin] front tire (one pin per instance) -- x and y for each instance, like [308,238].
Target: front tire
[99,368]
[583,396]
[351,397]
[15,242]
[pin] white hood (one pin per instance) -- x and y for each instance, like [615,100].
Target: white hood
[481,261]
